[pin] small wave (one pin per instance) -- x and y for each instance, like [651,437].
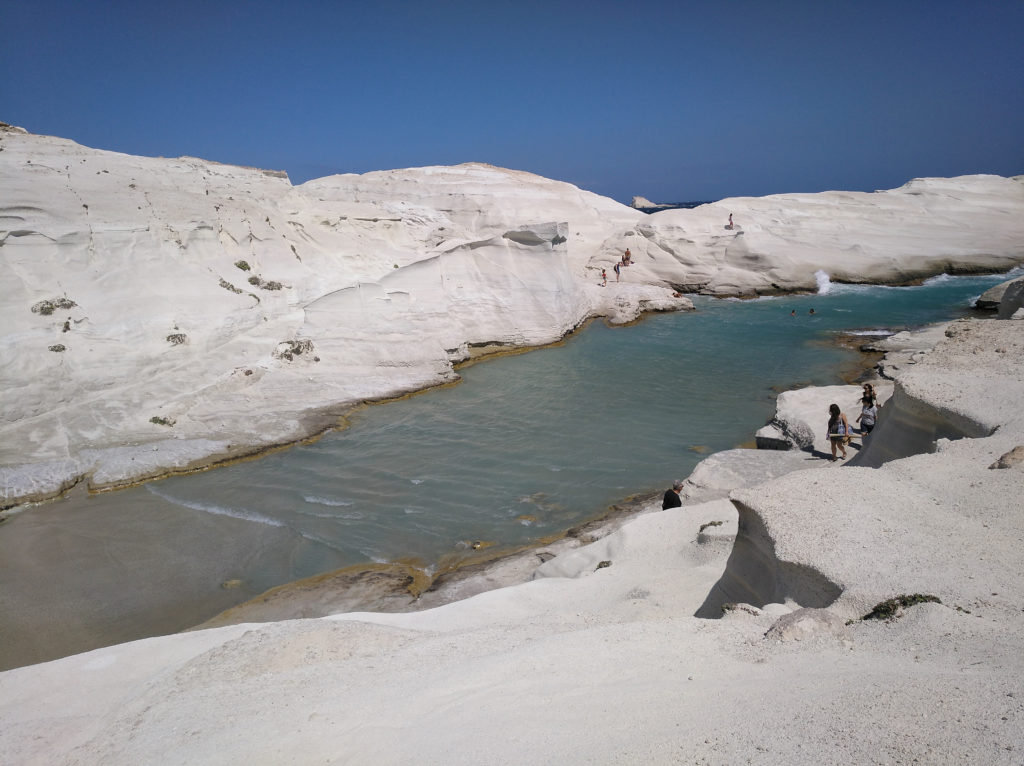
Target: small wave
[824,283]
[316,500]
[321,541]
[416,481]
[413,511]
[869,332]
[218,510]
[554,468]
[938,279]
[333,515]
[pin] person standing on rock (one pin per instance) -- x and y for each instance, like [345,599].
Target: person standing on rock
[838,430]
[868,414]
[672,499]
[869,393]
[618,270]
[730,226]
[604,278]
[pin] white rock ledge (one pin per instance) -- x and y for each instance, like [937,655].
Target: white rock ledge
[460,683]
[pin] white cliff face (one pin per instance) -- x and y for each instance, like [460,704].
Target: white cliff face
[927,226]
[160,314]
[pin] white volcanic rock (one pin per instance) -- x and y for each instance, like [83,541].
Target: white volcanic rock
[718,474]
[925,227]
[990,299]
[604,657]
[801,416]
[148,302]
[162,314]
[1012,300]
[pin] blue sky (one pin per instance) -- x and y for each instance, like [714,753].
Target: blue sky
[670,100]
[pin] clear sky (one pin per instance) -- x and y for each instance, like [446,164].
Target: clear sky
[670,100]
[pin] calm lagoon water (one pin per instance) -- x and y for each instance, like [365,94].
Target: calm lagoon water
[532,444]
[526,447]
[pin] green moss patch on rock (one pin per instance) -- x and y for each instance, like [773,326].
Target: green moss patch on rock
[890,608]
[228,286]
[48,307]
[265,284]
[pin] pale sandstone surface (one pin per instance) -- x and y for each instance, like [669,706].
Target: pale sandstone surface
[600,658]
[365,286]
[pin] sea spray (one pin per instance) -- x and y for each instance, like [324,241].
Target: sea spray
[824,283]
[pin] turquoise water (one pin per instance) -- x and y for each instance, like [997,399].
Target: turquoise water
[530,445]
[526,447]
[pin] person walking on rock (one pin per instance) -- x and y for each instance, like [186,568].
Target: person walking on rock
[672,499]
[868,414]
[838,430]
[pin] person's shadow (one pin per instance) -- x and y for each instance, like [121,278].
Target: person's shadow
[821,455]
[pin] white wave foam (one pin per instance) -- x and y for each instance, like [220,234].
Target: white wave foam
[869,332]
[217,510]
[317,500]
[333,515]
[824,283]
[416,481]
[321,541]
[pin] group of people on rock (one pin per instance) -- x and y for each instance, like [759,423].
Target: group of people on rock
[626,260]
[839,430]
[840,433]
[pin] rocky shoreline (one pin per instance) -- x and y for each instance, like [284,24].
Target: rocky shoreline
[216,292]
[771,594]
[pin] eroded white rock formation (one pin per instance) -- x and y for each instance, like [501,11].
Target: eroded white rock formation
[601,657]
[161,314]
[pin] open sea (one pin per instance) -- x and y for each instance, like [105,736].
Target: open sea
[525,447]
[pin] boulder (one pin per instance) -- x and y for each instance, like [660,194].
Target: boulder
[1012,300]
[806,623]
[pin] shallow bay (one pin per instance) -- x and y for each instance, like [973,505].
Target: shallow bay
[525,447]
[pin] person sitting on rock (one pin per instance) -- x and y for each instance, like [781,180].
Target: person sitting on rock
[672,499]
